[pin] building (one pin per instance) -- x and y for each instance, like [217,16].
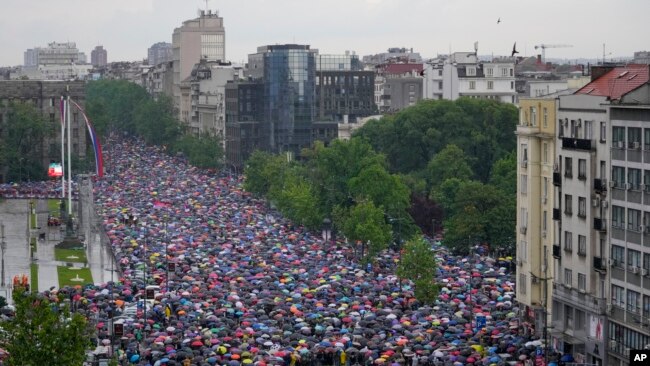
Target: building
[287,73]
[31,58]
[642,57]
[535,192]
[398,86]
[46,96]
[158,79]
[200,38]
[538,88]
[244,116]
[159,52]
[58,54]
[99,57]
[52,72]
[600,135]
[344,91]
[394,55]
[208,97]
[463,75]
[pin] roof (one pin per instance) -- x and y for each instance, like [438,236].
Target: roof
[402,68]
[618,82]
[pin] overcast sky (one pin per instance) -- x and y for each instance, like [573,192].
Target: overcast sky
[126,28]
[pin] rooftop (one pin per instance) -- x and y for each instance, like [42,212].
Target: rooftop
[402,68]
[618,82]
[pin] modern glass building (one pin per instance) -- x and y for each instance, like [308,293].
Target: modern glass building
[287,73]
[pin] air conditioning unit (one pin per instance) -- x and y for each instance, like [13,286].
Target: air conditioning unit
[628,186]
[523,229]
[544,199]
[604,204]
[635,270]
[641,228]
[612,184]
[621,144]
[595,202]
[636,145]
[645,272]
[612,343]
[614,263]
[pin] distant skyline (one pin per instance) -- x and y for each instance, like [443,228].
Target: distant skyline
[126,28]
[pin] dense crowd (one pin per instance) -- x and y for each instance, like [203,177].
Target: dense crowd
[248,287]
[40,190]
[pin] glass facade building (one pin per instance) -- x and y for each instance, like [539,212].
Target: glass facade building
[287,73]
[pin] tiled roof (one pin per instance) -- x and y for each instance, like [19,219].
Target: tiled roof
[618,82]
[402,68]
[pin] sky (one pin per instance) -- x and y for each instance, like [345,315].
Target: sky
[126,28]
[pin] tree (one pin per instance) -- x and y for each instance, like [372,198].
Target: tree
[297,200]
[451,162]
[202,152]
[154,121]
[418,264]
[364,223]
[504,174]
[263,172]
[43,332]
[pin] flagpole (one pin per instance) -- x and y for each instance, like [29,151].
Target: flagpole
[69,161]
[62,110]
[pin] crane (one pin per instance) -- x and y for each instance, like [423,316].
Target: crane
[545,46]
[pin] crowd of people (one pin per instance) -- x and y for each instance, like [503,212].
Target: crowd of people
[40,190]
[247,287]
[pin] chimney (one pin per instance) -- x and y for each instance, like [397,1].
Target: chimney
[539,59]
[600,70]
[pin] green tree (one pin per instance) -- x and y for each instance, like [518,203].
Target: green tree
[154,122]
[44,332]
[451,162]
[297,200]
[364,223]
[504,174]
[418,264]
[263,173]
[202,152]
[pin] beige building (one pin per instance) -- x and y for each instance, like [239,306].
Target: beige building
[535,192]
[200,38]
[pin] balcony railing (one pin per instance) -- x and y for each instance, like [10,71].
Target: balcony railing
[600,185]
[599,265]
[600,224]
[576,144]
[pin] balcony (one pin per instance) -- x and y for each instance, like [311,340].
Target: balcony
[557,214]
[599,265]
[556,251]
[557,179]
[600,224]
[600,185]
[576,144]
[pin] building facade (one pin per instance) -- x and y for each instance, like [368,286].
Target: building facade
[159,52]
[200,38]
[535,192]
[46,96]
[99,57]
[244,116]
[398,86]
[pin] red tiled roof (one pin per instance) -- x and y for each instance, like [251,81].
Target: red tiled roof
[402,68]
[618,82]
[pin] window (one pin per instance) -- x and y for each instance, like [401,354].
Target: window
[504,72]
[523,216]
[618,253]
[634,178]
[545,117]
[618,296]
[490,71]
[522,283]
[582,207]
[471,71]
[524,153]
[568,241]
[544,224]
[524,184]
[582,281]
[587,131]
[472,85]
[568,314]
[512,72]
[646,139]
[545,188]
[439,72]
[533,116]
[545,152]
[633,299]
[512,85]
[440,85]
[633,258]
[523,246]
[633,138]
[618,217]
[646,261]
[618,176]
[490,85]
[568,167]
[568,204]
[582,169]
[634,220]
[618,137]
[560,128]
[603,132]
[51,117]
[568,274]
[646,306]
[582,245]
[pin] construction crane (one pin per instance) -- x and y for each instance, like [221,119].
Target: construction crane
[545,46]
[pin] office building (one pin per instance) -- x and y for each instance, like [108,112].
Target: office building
[397,86]
[159,52]
[99,57]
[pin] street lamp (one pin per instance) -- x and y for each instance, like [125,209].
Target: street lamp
[327,229]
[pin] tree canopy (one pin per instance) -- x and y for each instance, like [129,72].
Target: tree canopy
[418,264]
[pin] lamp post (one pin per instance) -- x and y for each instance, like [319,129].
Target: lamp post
[166,221]
[3,245]
[327,229]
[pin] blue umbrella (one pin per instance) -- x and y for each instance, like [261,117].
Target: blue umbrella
[135,358]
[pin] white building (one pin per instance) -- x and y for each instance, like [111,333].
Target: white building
[463,75]
[539,88]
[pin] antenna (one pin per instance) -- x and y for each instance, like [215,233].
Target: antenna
[206,5]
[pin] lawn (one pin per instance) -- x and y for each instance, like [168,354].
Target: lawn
[70,255]
[70,276]
[33,244]
[53,206]
[33,271]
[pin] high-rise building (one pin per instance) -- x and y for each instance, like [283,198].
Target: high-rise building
[601,302]
[287,73]
[99,57]
[159,52]
[31,57]
[200,38]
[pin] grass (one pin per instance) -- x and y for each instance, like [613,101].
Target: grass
[53,207]
[33,244]
[64,255]
[67,274]
[33,271]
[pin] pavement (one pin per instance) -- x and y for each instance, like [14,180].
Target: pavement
[14,214]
